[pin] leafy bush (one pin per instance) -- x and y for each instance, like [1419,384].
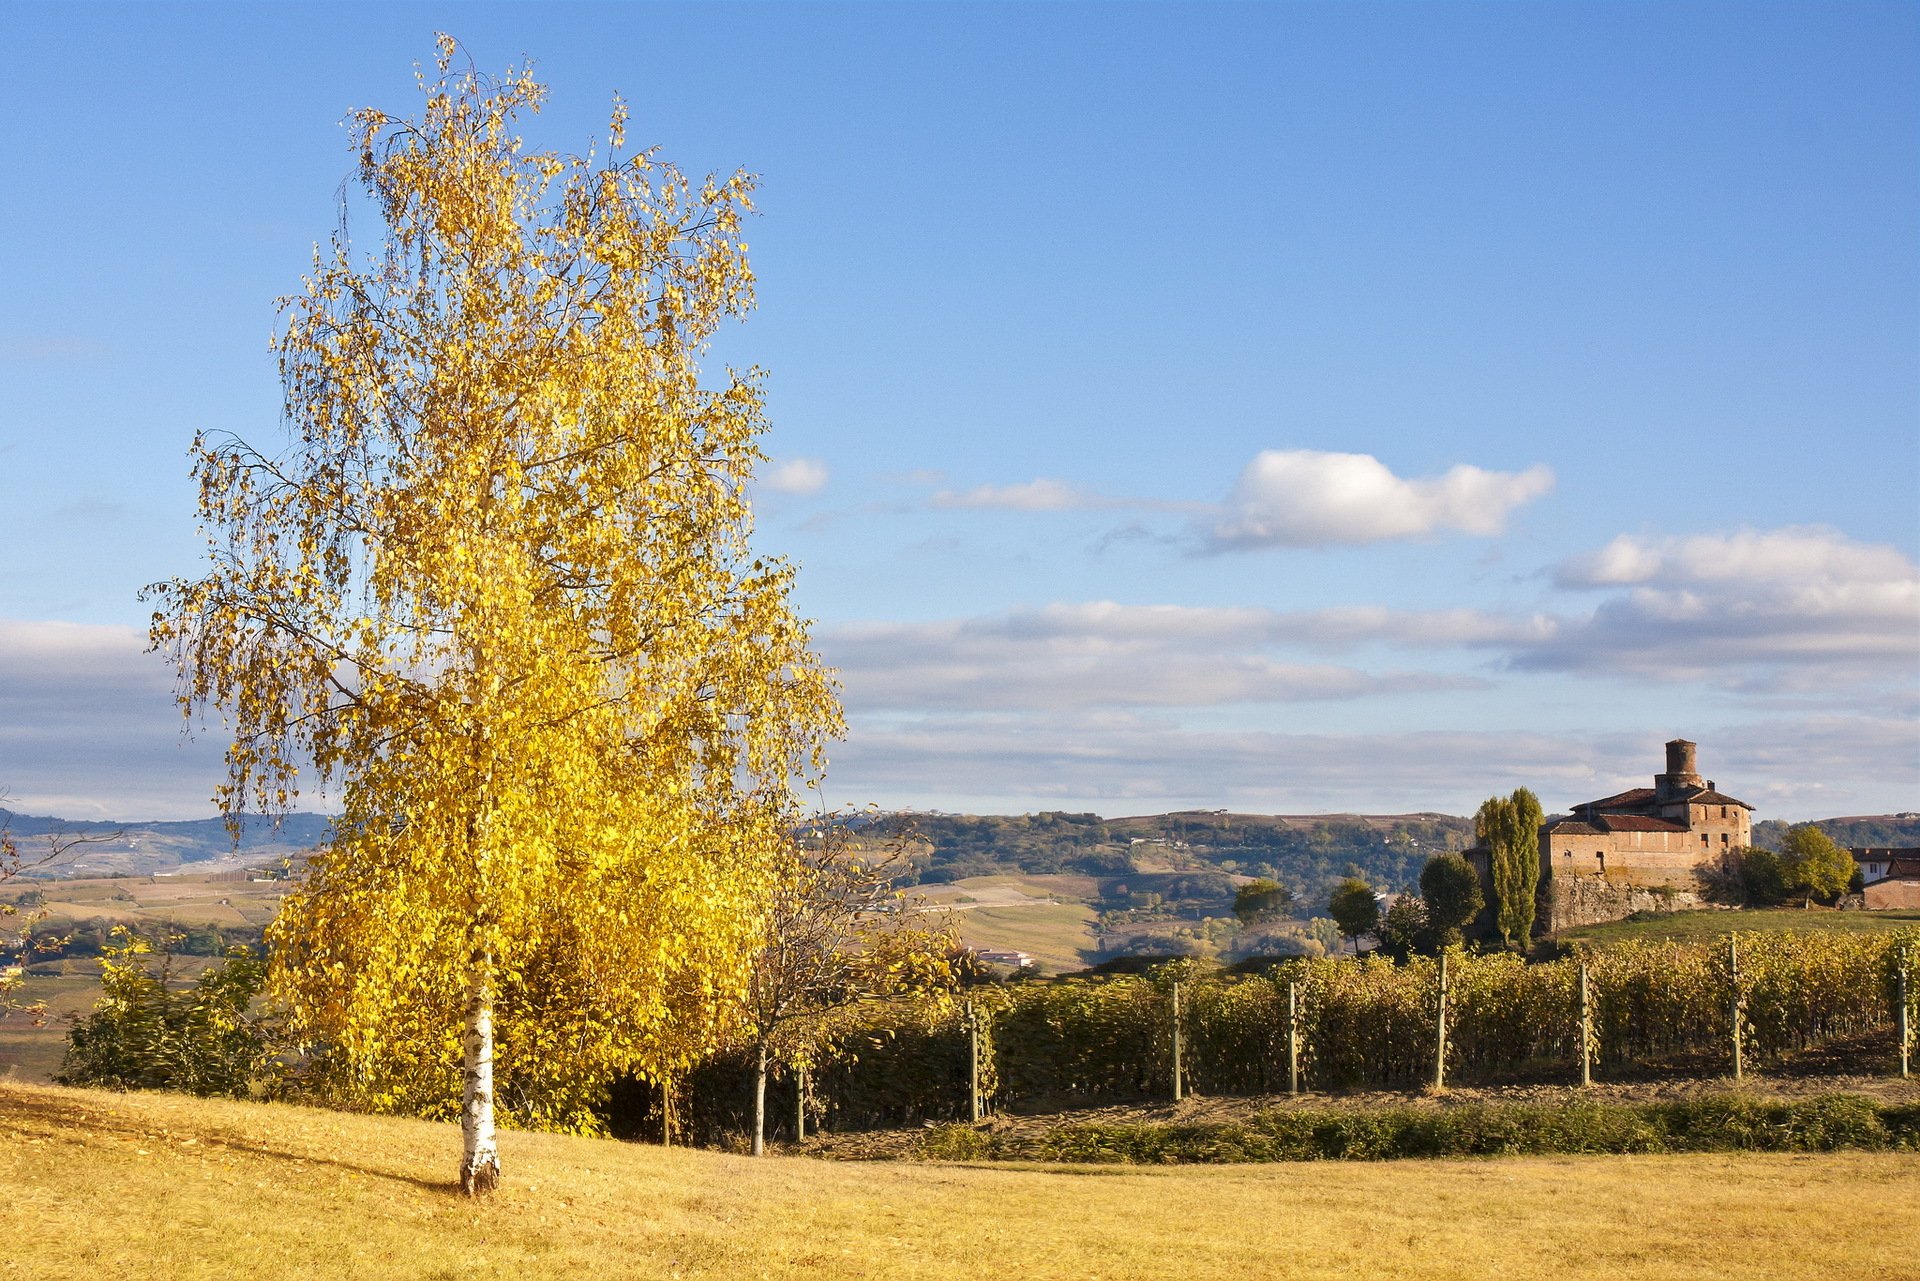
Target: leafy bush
[147,1034]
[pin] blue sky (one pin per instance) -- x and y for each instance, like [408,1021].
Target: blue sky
[1283,407]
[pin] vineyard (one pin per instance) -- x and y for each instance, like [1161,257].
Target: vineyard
[1332,1024]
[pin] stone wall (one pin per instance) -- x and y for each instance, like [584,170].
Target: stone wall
[1882,895]
[1567,901]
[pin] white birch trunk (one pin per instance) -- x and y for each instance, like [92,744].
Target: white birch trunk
[480,1162]
[760,1104]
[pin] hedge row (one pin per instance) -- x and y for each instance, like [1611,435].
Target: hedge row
[1360,1024]
[1721,1123]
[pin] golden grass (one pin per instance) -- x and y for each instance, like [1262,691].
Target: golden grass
[1704,927]
[1058,935]
[160,1185]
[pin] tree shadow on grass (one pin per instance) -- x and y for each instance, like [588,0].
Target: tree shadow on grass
[43,1116]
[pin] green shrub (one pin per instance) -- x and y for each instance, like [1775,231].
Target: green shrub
[146,1034]
[1718,1123]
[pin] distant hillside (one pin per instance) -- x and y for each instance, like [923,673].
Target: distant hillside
[145,849]
[1309,852]
[1857,831]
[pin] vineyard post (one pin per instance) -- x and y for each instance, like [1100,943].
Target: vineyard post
[1178,1091]
[1293,1036]
[1586,1029]
[1905,1025]
[1440,1028]
[1733,965]
[799,1105]
[973,1063]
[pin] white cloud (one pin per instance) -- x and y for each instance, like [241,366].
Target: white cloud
[797,476]
[1755,608]
[1309,498]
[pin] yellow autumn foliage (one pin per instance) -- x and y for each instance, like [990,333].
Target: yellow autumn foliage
[496,595]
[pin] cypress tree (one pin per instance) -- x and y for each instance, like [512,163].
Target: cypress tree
[1509,827]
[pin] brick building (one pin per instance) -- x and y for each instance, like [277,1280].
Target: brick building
[1650,836]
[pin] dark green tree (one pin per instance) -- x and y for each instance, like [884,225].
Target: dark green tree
[1261,899]
[1354,909]
[1509,828]
[1406,928]
[1761,876]
[1453,897]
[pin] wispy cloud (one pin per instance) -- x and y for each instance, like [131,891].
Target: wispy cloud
[1048,495]
[1102,654]
[801,476]
[1133,762]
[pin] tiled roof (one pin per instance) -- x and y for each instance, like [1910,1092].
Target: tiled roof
[1574,827]
[1881,853]
[1638,823]
[1716,798]
[1902,864]
[1632,796]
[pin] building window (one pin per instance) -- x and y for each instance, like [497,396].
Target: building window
[1703,838]
[1723,838]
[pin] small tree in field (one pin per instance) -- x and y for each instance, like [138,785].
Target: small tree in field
[837,933]
[1406,928]
[1451,889]
[147,1034]
[497,590]
[1354,909]
[1812,866]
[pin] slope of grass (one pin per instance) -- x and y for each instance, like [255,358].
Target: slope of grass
[100,1184]
[1695,927]
[1058,935]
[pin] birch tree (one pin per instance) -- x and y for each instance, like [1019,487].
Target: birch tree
[496,594]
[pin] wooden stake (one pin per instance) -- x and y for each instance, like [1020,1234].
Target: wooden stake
[799,1105]
[1733,964]
[1178,1085]
[1586,1030]
[1293,1038]
[1440,1027]
[1904,1021]
[973,1063]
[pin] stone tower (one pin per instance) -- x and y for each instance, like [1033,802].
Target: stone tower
[1682,776]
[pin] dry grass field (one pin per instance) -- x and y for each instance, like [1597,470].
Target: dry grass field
[1704,927]
[161,1185]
